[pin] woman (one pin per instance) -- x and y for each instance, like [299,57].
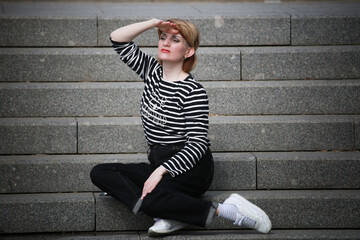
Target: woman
[174,113]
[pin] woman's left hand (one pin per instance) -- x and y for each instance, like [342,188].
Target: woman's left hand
[153,181]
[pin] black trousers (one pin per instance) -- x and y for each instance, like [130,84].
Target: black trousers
[176,198]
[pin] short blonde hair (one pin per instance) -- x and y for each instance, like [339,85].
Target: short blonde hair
[191,35]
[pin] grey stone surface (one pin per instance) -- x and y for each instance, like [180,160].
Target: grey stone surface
[48,24]
[281,133]
[256,29]
[102,64]
[219,23]
[234,171]
[274,234]
[245,30]
[286,209]
[305,170]
[112,215]
[188,234]
[228,133]
[75,235]
[48,31]
[71,173]
[48,9]
[111,135]
[327,29]
[218,63]
[62,64]
[283,97]
[26,213]
[304,63]
[357,133]
[54,173]
[70,99]
[225,98]
[37,135]
[311,209]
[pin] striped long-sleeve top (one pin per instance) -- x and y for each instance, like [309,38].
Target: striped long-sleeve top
[171,112]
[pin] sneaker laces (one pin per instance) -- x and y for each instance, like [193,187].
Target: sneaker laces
[242,220]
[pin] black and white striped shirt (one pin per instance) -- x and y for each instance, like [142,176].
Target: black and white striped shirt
[171,112]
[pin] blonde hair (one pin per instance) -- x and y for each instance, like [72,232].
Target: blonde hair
[191,35]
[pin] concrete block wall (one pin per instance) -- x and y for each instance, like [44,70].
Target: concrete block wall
[284,88]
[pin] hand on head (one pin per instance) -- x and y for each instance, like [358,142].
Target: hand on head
[167,27]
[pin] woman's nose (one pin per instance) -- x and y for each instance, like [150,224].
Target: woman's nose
[166,42]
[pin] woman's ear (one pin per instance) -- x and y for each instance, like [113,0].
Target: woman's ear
[189,52]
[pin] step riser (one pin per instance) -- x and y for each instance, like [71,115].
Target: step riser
[125,135]
[325,30]
[304,63]
[99,64]
[217,30]
[32,136]
[42,31]
[77,211]
[256,98]
[263,63]
[47,212]
[321,170]
[233,171]
[34,174]
[280,133]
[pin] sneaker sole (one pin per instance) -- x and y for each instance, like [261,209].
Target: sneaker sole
[152,233]
[252,208]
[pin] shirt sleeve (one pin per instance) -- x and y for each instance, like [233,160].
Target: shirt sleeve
[137,60]
[196,108]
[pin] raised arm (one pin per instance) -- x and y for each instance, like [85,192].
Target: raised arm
[129,32]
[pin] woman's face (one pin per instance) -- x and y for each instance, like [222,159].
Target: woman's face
[172,47]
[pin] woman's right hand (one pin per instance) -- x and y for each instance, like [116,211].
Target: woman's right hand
[129,32]
[164,26]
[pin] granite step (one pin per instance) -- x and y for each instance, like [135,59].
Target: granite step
[230,133]
[89,24]
[102,64]
[227,133]
[71,173]
[107,99]
[304,63]
[233,171]
[215,64]
[73,212]
[321,234]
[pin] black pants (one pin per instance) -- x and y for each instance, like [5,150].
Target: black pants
[176,198]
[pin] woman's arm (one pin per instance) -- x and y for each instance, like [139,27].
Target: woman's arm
[129,32]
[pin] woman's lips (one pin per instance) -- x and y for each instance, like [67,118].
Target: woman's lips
[165,51]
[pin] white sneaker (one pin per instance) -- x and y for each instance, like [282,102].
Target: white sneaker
[165,226]
[249,215]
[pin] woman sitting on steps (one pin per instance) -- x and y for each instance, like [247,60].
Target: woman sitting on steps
[174,113]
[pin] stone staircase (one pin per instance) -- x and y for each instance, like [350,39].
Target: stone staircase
[284,88]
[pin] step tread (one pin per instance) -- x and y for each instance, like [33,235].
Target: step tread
[99,64]
[202,9]
[293,234]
